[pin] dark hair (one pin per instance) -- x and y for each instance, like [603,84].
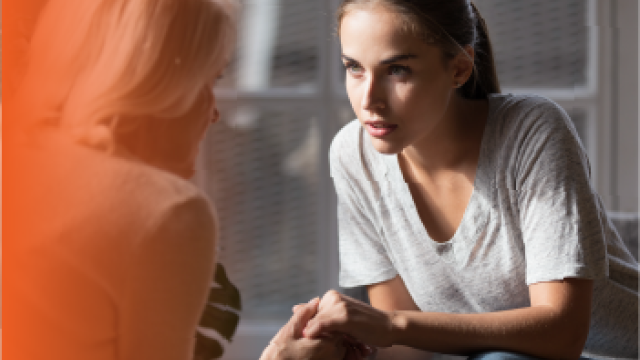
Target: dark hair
[451,24]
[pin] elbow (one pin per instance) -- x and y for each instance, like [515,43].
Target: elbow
[569,353]
[570,344]
[575,344]
[578,332]
[564,350]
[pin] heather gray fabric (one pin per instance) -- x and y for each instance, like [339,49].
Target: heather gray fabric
[627,225]
[533,216]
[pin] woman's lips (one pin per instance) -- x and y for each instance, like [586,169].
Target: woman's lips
[379,130]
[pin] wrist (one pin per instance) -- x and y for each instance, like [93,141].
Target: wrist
[398,322]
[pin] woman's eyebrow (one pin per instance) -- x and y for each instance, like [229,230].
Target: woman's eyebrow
[345,57]
[386,61]
[396,58]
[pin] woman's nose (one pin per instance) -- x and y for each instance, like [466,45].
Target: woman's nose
[373,96]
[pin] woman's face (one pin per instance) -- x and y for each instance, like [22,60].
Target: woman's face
[175,143]
[399,86]
[205,114]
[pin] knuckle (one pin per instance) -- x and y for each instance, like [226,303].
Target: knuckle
[332,295]
[343,310]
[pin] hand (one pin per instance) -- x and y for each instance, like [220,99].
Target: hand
[355,349]
[289,344]
[340,313]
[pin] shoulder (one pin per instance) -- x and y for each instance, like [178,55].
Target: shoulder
[345,146]
[119,206]
[139,184]
[538,140]
[172,215]
[522,102]
[522,117]
[174,202]
[122,192]
[154,185]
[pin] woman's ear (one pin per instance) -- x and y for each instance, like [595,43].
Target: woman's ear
[463,66]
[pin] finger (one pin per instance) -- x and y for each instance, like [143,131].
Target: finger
[331,315]
[301,318]
[315,301]
[322,324]
[326,348]
[282,334]
[328,298]
[298,306]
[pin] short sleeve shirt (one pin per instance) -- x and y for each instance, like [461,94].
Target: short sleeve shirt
[533,216]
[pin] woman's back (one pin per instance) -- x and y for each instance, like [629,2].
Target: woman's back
[117,256]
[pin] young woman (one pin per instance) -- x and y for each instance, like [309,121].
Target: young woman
[115,249]
[468,214]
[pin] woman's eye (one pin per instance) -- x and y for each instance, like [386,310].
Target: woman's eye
[354,69]
[398,70]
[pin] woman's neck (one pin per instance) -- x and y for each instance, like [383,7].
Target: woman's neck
[455,142]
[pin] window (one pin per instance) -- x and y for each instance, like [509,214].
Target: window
[265,165]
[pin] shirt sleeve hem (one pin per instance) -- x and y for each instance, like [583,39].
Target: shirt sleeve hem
[567,271]
[353,281]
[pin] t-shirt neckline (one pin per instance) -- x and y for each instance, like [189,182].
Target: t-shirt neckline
[467,226]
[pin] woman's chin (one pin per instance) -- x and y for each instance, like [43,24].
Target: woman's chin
[386,147]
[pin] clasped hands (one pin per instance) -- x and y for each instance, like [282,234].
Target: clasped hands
[335,327]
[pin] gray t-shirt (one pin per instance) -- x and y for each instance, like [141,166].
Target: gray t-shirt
[533,216]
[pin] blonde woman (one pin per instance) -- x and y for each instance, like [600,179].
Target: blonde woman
[115,249]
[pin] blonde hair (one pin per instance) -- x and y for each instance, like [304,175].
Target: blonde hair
[99,67]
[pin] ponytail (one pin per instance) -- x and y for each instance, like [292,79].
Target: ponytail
[484,79]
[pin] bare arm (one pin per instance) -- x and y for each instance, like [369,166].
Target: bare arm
[392,295]
[555,326]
